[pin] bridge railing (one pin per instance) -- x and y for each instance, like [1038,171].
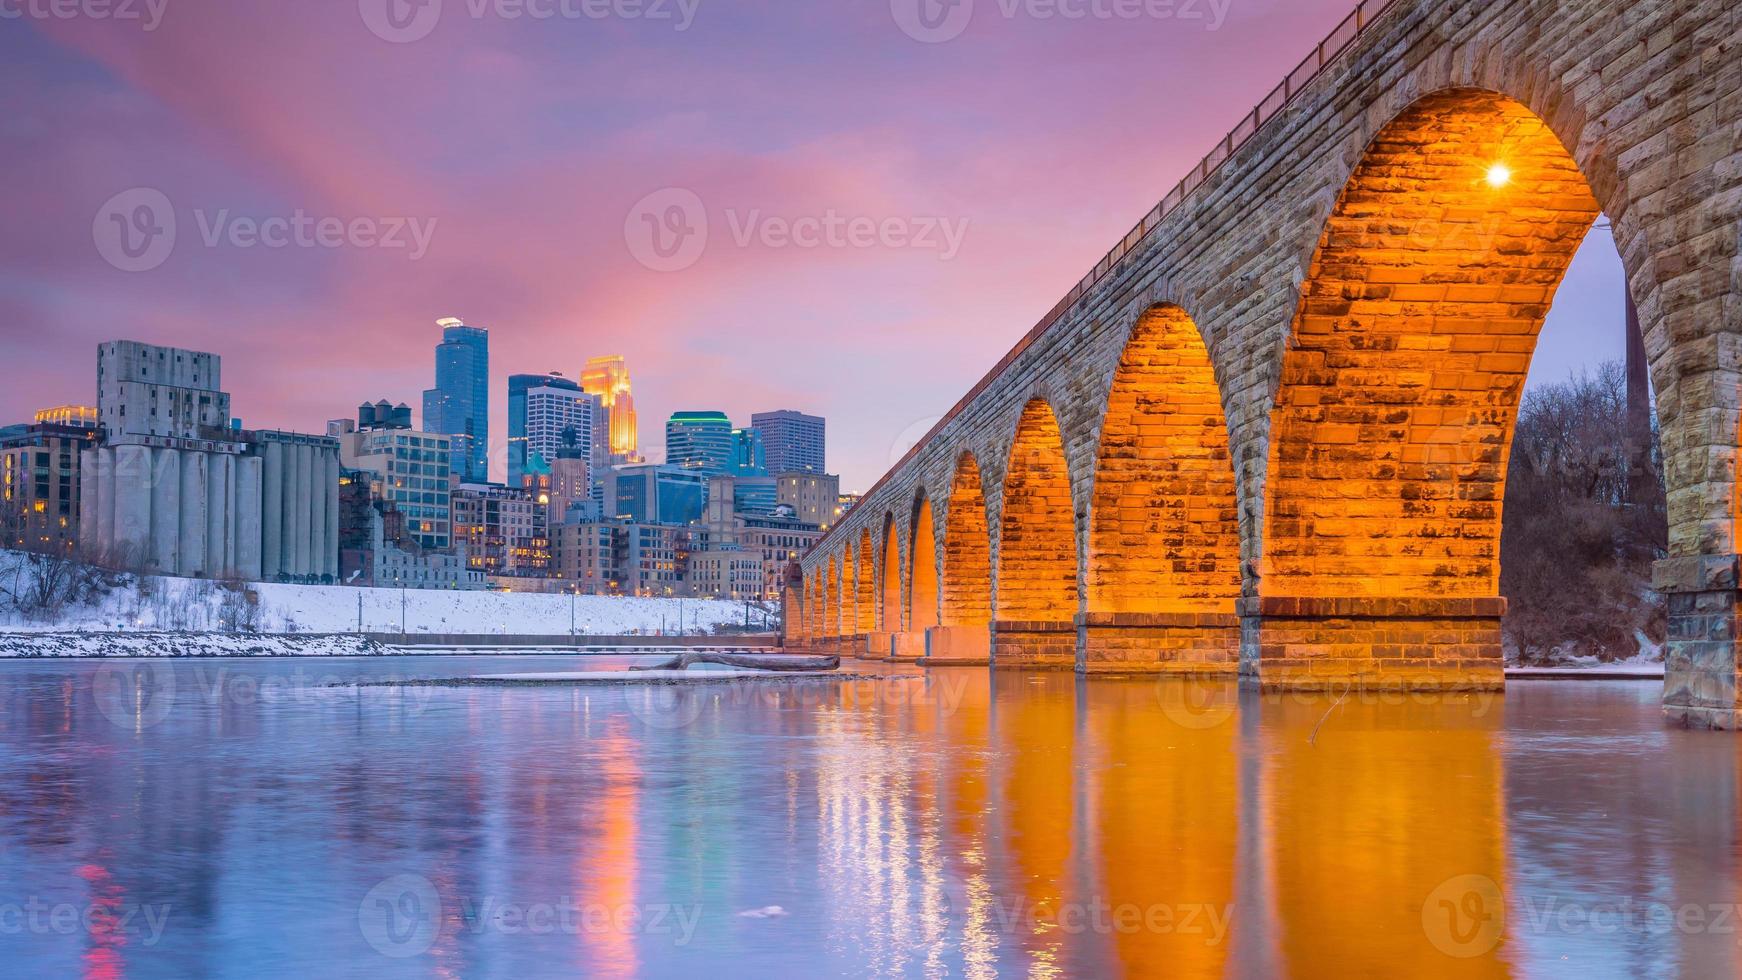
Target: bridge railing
[1365,14]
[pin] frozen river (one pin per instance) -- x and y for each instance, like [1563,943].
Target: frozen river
[226,818]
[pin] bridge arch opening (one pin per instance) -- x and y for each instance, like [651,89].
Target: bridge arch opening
[1164,533]
[922,563]
[865,595]
[1401,385]
[1037,550]
[966,598]
[831,600]
[847,593]
[889,605]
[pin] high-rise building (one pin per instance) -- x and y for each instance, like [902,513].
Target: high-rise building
[794,442]
[699,441]
[608,377]
[459,404]
[541,409]
[408,470]
[748,456]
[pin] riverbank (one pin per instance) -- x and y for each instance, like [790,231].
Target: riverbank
[153,604]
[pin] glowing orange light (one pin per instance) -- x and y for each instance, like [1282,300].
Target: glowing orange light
[1499,175]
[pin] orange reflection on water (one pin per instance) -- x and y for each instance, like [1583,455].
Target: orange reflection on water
[1036,728]
[1163,794]
[606,868]
[1386,834]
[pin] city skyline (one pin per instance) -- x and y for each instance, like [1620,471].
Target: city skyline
[524,248]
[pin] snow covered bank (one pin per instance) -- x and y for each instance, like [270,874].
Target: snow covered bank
[176,605]
[15,645]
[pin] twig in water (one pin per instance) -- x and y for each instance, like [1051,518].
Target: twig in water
[1313,739]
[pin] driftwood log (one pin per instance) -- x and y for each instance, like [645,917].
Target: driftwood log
[746,661]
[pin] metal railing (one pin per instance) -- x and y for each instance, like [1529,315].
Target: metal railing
[1365,14]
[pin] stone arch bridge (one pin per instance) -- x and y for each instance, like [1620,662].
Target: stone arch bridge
[1268,434]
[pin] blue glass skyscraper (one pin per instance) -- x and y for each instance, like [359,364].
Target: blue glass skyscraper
[459,404]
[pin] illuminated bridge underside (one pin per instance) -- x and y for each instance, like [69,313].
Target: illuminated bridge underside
[1271,435]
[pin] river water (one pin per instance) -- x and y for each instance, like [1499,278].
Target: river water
[243,818]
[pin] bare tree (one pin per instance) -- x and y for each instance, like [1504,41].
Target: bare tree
[1583,525]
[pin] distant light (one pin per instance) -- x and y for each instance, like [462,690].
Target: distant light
[1499,175]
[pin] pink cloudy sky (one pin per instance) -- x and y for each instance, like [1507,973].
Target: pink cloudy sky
[528,142]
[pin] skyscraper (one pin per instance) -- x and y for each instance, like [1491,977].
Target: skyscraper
[540,407]
[555,415]
[459,404]
[699,441]
[792,441]
[608,377]
[748,455]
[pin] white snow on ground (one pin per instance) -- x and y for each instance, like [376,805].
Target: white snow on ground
[18,645]
[173,604]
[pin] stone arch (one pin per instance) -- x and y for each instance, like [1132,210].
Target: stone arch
[966,595]
[865,593]
[1164,533]
[922,567]
[829,607]
[1037,543]
[847,603]
[889,579]
[1413,336]
[1399,391]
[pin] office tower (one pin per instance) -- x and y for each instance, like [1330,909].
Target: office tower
[541,407]
[408,470]
[748,456]
[793,441]
[608,377]
[459,404]
[699,441]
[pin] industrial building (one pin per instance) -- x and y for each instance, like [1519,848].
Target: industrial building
[175,489]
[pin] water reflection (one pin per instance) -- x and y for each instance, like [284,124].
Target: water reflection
[246,819]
